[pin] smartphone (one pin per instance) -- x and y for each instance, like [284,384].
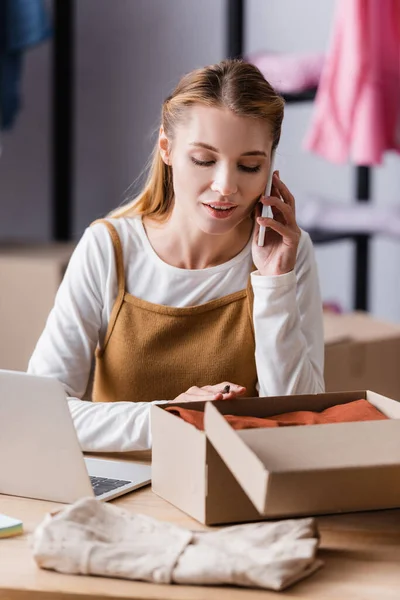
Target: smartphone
[266,210]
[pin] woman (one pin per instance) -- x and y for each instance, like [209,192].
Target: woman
[172,292]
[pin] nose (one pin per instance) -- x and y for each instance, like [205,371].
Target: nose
[225,183]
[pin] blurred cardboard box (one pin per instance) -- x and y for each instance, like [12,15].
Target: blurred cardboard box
[221,475]
[29,278]
[361,353]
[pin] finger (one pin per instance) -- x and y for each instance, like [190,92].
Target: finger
[259,207]
[219,387]
[234,391]
[237,389]
[183,398]
[197,391]
[263,201]
[288,234]
[234,394]
[242,391]
[197,394]
[278,206]
[282,212]
[284,192]
[276,194]
[275,191]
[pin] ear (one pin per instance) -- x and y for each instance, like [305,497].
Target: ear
[164,146]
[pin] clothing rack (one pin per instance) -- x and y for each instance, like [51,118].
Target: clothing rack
[63,137]
[235,45]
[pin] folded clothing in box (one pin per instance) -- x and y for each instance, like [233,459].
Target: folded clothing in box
[358,410]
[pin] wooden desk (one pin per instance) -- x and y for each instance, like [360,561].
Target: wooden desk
[361,553]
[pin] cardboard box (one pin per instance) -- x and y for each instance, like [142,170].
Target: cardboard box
[361,353]
[29,279]
[226,476]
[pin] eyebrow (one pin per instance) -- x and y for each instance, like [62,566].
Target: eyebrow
[208,147]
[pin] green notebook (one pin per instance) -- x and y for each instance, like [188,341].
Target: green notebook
[9,526]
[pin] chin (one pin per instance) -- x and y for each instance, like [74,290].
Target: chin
[219,228]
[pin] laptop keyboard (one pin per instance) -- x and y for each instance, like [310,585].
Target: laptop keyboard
[101,485]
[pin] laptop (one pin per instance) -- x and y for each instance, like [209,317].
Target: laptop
[40,453]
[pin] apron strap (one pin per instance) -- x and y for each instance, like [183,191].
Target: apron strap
[119,262]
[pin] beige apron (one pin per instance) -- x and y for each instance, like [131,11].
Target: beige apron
[155,352]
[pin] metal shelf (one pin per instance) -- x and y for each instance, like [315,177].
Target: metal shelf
[322,236]
[304,96]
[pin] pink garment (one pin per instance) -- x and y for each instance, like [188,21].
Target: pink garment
[289,73]
[358,101]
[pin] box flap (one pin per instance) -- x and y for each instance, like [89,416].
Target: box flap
[327,446]
[246,467]
[356,327]
[257,457]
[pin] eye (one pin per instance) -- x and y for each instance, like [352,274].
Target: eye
[209,163]
[202,163]
[249,169]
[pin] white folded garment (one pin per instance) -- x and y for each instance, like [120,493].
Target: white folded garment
[313,212]
[93,538]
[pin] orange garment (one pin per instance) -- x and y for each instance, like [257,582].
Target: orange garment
[357,410]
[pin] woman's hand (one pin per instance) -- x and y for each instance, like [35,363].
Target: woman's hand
[278,255]
[211,392]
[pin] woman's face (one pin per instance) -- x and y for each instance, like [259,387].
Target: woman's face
[220,165]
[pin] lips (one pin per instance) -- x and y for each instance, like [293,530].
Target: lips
[220,210]
[221,205]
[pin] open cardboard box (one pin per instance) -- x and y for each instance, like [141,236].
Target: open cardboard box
[223,476]
[361,353]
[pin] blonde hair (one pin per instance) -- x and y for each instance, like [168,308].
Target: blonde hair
[232,84]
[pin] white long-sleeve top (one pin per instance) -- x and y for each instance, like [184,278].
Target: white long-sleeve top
[287,321]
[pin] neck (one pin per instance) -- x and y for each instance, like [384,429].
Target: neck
[182,244]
